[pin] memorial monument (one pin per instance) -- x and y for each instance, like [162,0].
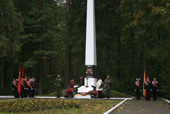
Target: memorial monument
[90,52]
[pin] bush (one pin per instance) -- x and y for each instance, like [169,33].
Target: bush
[28,105]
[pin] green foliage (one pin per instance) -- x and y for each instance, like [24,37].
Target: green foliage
[10,27]
[130,34]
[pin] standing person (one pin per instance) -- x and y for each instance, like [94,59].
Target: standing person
[58,83]
[107,86]
[23,88]
[99,88]
[15,88]
[155,88]
[147,87]
[30,88]
[33,85]
[26,86]
[137,88]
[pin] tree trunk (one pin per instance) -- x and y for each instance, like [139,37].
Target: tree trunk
[2,73]
[169,32]
[40,76]
[132,53]
[68,54]
[11,75]
[40,91]
[120,56]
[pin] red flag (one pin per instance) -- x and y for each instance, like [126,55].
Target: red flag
[22,73]
[144,79]
[19,81]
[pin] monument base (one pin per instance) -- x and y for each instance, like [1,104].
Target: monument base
[79,96]
[89,83]
[84,89]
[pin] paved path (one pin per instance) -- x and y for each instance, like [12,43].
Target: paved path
[144,107]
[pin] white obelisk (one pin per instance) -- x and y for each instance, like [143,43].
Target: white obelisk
[90,53]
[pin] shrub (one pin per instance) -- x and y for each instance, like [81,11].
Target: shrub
[28,105]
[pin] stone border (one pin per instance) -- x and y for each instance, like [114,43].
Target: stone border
[115,107]
[52,97]
[166,100]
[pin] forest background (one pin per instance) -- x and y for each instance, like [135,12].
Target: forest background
[47,37]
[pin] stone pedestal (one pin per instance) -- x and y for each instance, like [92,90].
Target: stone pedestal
[90,82]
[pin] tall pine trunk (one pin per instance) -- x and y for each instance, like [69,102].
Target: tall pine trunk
[68,54]
[40,60]
[2,74]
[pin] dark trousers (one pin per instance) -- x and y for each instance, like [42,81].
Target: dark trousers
[100,94]
[58,91]
[155,94]
[147,95]
[16,95]
[30,93]
[138,94]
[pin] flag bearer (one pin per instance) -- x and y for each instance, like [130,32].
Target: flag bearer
[147,88]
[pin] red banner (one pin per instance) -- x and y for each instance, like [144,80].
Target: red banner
[144,79]
[19,81]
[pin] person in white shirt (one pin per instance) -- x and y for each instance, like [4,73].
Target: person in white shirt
[99,88]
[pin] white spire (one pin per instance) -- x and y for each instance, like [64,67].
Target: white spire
[90,53]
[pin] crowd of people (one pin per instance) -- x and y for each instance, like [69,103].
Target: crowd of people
[103,89]
[149,87]
[27,87]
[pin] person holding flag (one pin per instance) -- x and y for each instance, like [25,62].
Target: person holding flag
[148,88]
[155,88]
[138,88]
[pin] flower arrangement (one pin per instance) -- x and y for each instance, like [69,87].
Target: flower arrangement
[24,105]
[69,92]
[94,93]
[84,93]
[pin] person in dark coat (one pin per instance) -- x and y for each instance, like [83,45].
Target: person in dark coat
[148,88]
[15,88]
[30,88]
[23,89]
[138,88]
[33,86]
[155,88]
[26,86]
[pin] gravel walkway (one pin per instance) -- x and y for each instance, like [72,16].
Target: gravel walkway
[144,107]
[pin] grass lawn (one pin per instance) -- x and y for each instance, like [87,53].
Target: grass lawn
[94,106]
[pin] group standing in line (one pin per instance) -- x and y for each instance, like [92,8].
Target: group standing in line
[28,87]
[149,87]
